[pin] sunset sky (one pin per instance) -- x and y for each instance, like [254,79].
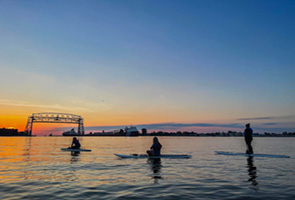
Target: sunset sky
[202,65]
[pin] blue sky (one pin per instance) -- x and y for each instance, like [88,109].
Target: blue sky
[148,62]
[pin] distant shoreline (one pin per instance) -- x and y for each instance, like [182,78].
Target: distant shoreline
[14,133]
[149,135]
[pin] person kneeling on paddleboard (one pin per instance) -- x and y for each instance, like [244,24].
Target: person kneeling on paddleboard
[155,148]
[75,144]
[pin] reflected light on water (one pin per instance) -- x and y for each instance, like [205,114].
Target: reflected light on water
[33,167]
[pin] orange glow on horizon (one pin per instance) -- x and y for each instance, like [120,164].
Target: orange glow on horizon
[10,127]
[90,119]
[13,121]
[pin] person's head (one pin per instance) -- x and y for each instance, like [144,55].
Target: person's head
[247,125]
[156,140]
[74,138]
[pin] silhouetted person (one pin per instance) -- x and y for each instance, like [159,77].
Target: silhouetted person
[75,144]
[248,134]
[155,148]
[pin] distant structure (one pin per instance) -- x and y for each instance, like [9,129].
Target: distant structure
[144,131]
[49,117]
[70,133]
[8,132]
[131,131]
[127,131]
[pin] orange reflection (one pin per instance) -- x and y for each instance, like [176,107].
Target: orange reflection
[40,158]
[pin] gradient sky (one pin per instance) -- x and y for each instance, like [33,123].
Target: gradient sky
[144,62]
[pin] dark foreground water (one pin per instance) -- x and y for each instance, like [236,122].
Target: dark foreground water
[36,168]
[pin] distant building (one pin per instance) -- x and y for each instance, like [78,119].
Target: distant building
[144,131]
[8,132]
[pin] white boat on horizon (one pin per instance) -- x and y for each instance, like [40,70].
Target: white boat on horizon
[70,133]
[131,131]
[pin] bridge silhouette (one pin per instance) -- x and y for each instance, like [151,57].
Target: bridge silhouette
[50,117]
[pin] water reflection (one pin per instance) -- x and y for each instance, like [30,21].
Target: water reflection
[26,156]
[252,173]
[74,157]
[27,149]
[156,168]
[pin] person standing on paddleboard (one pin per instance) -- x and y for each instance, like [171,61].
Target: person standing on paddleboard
[75,144]
[155,148]
[248,134]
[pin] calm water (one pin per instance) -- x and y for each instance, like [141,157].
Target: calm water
[36,168]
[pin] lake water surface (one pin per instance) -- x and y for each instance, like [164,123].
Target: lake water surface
[36,168]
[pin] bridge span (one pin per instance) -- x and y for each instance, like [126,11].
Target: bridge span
[50,117]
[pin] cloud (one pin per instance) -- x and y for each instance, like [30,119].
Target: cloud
[162,126]
[51,107]
[186,125]
[203,127]
[269,124]
[256,118]
[269,118]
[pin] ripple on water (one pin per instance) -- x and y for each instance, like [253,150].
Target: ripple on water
[44,172]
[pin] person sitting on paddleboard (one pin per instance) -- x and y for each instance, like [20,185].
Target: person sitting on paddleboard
[155,148]
[75,144]
[248,138]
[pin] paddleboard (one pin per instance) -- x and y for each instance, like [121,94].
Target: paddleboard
[255,155]
[146,156]
[74,150]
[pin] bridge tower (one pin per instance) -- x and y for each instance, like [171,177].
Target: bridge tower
[50,117]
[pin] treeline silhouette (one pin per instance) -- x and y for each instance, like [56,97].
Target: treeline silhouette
[216,134]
